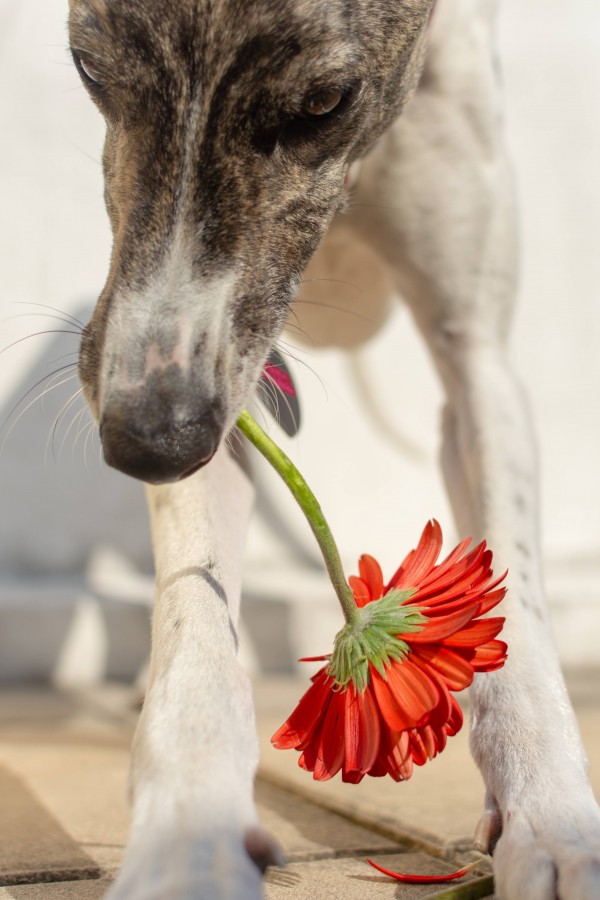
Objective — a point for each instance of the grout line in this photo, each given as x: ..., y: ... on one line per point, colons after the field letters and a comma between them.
x: 388, y: 828
x: 357, y: 853
x: 476, y: 889
x: 50, y: 877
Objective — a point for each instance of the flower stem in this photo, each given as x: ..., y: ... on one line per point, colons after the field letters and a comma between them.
x: 310, y: 507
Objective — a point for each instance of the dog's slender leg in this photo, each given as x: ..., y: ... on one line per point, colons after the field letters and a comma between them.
x: 437, y: 196
x: 195, y: 751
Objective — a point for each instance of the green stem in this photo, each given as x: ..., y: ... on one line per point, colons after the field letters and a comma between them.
x: 310, y: 507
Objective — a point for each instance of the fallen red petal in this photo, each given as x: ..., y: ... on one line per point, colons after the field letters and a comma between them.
x: 423, y: 879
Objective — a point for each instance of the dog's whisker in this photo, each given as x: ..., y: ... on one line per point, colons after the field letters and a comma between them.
x: 57, y: 359
x: 60, y: 415
x: 265, y: 420
x: 56, y: 309
x: 270, y: 400
x: 270, y: 385
x: 300, y: 331
x: 82, y: 428
x: 94, y: 159
x: 335, y: 308
x: 297, y: 326
x: 12, y: 411
x: 234, y: 442
x: 284, y: 345
x: 88, y: 433
x: 74, y: 418
x: 353, y: 205
x: 325, y: 280
x: 37, y: 334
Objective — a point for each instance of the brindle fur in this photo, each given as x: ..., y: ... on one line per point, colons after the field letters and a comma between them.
x: 227, y: 165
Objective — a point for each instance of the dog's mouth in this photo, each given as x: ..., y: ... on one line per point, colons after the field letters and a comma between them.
x: 195, y: 468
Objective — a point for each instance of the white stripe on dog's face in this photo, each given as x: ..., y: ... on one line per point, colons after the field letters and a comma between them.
x: 171, y: 376
x: 179, y: 319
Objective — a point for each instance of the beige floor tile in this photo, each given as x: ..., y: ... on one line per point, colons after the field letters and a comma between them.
x: 354, y: 879
x: 307, y: 832
x: 64, y: 890
x: 34, y: 844
x: 63, y: 770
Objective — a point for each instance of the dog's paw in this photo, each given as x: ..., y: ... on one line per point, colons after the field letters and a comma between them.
x: 262, y: 849
x: 544, y: 851
x: 225, y: 866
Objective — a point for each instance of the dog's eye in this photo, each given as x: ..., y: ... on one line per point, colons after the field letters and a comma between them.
x: 87, y: 69
x: 322, y: 102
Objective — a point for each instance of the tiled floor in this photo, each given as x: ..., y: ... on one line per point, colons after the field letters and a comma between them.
x: 63, y: 817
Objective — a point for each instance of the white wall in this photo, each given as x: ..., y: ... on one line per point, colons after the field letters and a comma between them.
x: 57, y: 515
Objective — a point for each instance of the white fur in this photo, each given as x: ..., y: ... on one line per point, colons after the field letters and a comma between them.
x: 175, y: 296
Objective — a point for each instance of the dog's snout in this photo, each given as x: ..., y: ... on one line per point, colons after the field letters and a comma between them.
x: 157, y: 441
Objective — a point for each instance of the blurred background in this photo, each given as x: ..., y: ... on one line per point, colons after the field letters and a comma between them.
x: 75, y: 562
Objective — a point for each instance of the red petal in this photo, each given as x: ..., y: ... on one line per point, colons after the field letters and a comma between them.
x: 447, y: 609
x: 491, y: 599
x: 370, y: 572
x: 417, y: 751
x: 465, y: 576
x: 477, y: 633
x: 455, y: 597
x: 455, y: 722
x: 395, y: 757
x: 418, y: 563
x: 406, y: 696
x: 307, y: 715
x: 424, y: 745
x: 451, y: 570
x: 453, y: 561
x: 489, y: 657
x: 361, y: 732
x: 423, y: 879
x: 353, y: 777
x: 308, y: 757
x: 360, y: 589
x: 449, y: 665
x: 330, y: 753
x: 442, y: 627
x: 440, y: 714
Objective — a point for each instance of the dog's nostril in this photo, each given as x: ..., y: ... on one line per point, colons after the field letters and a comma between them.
x: 146, y: 439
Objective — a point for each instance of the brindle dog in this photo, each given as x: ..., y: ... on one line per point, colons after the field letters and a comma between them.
x: 231, y: 129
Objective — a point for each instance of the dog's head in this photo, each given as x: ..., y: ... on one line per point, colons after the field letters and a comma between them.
x: 230, y: 127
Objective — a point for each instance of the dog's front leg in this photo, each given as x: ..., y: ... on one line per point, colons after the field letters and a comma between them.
x: 437, y: 195
x: 195, y: 751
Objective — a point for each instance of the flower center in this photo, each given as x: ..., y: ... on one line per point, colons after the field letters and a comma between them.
x: 375, y: 636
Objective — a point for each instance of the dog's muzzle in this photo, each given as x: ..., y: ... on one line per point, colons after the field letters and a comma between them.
x: 159, y: 436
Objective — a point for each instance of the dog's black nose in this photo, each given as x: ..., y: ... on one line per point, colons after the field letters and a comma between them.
x: 153, y: 438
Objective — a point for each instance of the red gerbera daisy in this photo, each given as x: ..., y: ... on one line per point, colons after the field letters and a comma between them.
x: 383, y: 702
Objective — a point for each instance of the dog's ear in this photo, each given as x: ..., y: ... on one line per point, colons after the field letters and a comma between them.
x: 279, y: 395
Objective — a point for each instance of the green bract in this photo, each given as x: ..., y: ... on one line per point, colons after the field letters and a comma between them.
x: 373, y: 637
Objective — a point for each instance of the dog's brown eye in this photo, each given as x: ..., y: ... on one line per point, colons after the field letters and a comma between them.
x: 322, y: 102
x: 87, y: 69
